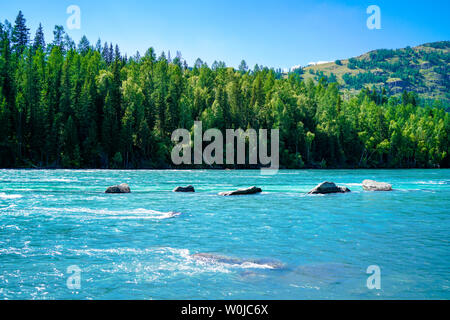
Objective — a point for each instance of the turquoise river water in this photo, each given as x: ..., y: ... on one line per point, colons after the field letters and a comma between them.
x: 280, y: 244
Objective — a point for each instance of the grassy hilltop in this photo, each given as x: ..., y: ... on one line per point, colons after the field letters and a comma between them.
x: 424, y: 69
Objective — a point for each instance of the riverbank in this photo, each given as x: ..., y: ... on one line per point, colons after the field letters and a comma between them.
x: 204, y: 167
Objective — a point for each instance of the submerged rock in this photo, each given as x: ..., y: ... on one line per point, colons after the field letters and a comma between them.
x: 245, y: 263
x: 215, y: 258
x: 371, y: 185
x: 184, y: 189
x: 251, y: 190
x: 320, y: 274
x: 328, y: 187
x: 121, y: 188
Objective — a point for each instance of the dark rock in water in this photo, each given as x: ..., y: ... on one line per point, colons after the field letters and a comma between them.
x: 251, y: 190
x: 184, y: 189
x: 121, y: 188
x: 371, y: 185
x: 328, y: 187
x: 248, y: 263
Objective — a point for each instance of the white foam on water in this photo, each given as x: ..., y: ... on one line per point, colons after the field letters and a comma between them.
x: 168, y: 259
x: 408, y: 190
x: 181, y: 261
x: 12, y: 226
x: 23, y: 252
x: 245, y: 264
x: 9, y: 196
x: 117, y: 251
x: 157, y: 216
x: 181, y: 252
x: 59, y: 180
x: 304, y: 286
x: 8, y: 207
x: 253, y: 265
x: 139, y: 213
x: 432, y: 182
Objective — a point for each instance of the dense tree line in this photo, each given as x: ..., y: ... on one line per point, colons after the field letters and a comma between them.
x: 358, y: 81
x: 63, y: 105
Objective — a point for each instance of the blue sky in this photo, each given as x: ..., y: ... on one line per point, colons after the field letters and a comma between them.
x: 279, y: 33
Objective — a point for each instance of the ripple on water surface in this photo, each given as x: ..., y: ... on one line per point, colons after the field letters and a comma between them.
x: 280, y: 244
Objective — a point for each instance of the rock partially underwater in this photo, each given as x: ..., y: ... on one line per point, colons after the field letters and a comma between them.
x: 314, y: 276
x: 184, y: 189
x: 233, y: 261
x: 328, y: 187
x: 251, y: 190
x: 371, y: 185
x: 121, y: 188
x: 318, y: 275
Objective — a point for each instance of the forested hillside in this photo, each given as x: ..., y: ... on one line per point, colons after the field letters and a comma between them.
x: 424, y: 69
x: 89, y: 106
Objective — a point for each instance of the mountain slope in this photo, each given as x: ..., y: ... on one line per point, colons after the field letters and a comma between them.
x: 424, y: 69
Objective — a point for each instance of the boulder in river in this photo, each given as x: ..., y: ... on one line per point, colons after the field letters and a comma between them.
x: 251, y: 190
x: 184, y: 189
x: 328, y: 187
x: 371, y: 185
x: 121, y: 188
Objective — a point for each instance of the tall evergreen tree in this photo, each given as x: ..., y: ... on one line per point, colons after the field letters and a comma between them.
x: 83, y: 45
x: 111, y: 53
x: 105, y: 53
x: 68, y: 43
x: 58, y: 36
x: 20, y: 34
x: 39, y: 40
x: 117, y: 55
x: 243, y: 66
x: 98, y: 46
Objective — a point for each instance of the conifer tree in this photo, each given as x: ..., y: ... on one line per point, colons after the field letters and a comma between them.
x: 39, y: 40
x: 20, y: 34
x: 84, y: 45
x: 58, y: 36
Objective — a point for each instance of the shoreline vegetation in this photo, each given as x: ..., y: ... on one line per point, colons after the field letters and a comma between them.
x: 190, y: 168
x: 87, y: 106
